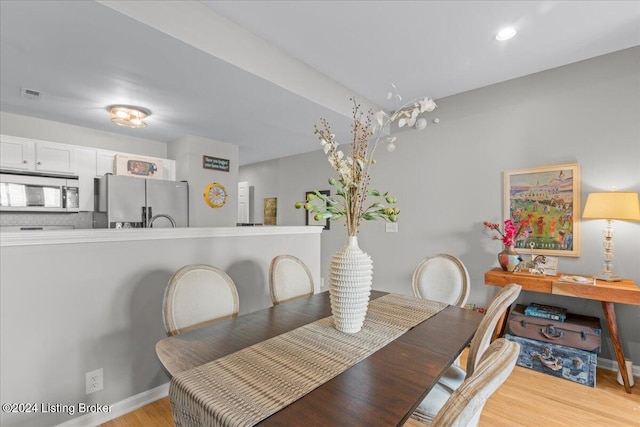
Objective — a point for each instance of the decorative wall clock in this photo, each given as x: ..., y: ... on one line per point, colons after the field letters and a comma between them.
x: 215, y: 195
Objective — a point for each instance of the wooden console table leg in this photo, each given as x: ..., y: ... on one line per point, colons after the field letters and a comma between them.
x: 501, y: 326
x: 610, y: 316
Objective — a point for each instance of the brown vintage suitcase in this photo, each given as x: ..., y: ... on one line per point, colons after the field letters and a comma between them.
x: 577, y: 331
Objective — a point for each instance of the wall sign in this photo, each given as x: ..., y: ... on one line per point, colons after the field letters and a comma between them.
x: 215, y: 163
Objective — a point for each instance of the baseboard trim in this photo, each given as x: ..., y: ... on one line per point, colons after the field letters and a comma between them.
x: 612, y: 365
x: 134, y: 402
x: 120, y: 408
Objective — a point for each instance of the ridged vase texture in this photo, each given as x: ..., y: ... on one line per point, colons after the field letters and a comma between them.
x: 350, y: 275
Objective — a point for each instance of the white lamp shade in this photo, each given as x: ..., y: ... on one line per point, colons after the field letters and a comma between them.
x: 621, y: 205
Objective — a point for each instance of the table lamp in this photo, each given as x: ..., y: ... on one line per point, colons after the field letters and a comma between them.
x: 620, y: 205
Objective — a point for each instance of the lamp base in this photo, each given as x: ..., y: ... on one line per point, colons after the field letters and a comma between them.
x: 608, y: 277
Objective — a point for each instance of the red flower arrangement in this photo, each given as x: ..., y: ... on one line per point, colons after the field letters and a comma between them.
x: 511, y: 231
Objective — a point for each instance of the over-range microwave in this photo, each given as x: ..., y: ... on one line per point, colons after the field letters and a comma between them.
x: 38, y: 193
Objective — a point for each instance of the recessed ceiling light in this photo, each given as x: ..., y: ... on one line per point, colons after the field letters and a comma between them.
x: 505, y: 33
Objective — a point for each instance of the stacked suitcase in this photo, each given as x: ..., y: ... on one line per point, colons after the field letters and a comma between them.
x: 565, y: 348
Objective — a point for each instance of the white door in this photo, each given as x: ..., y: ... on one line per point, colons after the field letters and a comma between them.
x: 243, y: 202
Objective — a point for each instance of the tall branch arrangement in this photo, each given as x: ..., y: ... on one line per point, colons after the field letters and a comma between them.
x: 352, y: 183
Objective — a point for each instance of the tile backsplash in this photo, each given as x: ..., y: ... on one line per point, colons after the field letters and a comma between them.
x: 32, y: 219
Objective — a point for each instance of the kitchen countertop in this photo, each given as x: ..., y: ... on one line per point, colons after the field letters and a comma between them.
x: 56, y: 237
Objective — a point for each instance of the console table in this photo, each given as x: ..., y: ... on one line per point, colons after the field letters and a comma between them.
x: 608, y: 293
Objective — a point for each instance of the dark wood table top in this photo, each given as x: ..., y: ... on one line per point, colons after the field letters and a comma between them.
x: 382, y: 390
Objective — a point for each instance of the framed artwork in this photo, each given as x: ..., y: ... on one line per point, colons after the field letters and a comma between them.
x: 550, y: 196
x: 309, y: 219
x: 270, y: 210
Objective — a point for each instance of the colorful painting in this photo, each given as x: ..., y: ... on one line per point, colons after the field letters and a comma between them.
x: 549, y: 197
x: 270, y: 210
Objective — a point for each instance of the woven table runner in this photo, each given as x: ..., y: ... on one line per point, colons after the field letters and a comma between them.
x: 245, y: 387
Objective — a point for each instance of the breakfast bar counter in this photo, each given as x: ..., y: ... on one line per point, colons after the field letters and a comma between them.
x: 66, y: 236
x: 76, y: 301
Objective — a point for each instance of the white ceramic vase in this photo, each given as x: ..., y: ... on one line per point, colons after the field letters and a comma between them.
x: 350, y: 277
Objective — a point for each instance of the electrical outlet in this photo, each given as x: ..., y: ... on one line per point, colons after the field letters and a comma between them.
x: 391, y: 227
x: 94, y: 381
x: 322, y: 285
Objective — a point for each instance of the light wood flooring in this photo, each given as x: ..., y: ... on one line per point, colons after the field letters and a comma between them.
x: 527, y: 398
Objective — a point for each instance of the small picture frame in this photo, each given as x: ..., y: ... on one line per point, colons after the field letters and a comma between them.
x: 309, y: 219
x: 550, y: 267
x: 550, y: 195
x: 270, y: 210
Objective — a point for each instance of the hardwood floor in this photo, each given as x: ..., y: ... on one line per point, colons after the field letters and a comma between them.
x: 527, y: 398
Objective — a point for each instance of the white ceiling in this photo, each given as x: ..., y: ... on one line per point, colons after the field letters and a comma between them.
x: 202, y: 75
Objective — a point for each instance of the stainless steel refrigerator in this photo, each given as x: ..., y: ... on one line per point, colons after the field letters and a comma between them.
x: 127, y: 202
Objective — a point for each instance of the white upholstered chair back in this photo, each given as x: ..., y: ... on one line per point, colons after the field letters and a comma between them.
x: 455, y: 376
x: 441, y: 278
x: 289, y: 278
x: 483, y: 336
x: 465, y: 405
x: 198, y: 295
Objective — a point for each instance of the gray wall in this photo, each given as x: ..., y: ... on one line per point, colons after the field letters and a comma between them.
x: 74, y: 308
x: 448, y: 178
x: 47, y: 130
x: 188, y: 152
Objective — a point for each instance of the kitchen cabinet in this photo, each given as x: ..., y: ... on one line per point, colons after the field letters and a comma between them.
x: 86, y: 161
x: 16, y: 153
x: 105, y: 161
x: 36, y: 156
x: 46, y: 157
x: 95, y: 163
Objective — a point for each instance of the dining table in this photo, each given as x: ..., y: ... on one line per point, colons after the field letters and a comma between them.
x: 381, y: 384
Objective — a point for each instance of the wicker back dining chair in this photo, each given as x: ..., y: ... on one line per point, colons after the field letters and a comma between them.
x: 443, y: 278
x: 455, y: 375
x: 500, y: 303
x: 465, y: 405
x: 289, y: 278
x: 197, y: 295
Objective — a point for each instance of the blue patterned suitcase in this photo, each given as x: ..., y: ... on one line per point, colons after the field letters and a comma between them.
x: 563, y: 362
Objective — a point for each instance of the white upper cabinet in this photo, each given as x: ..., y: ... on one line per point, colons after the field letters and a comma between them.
x: 45, y: 157
x: 104, y: 161
x: 54, y: 157
x: 17, y: 153
x: 36, y: 156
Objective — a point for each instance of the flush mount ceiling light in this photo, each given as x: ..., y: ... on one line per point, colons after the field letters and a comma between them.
x: 128, y: 115
x: 506, y: 33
